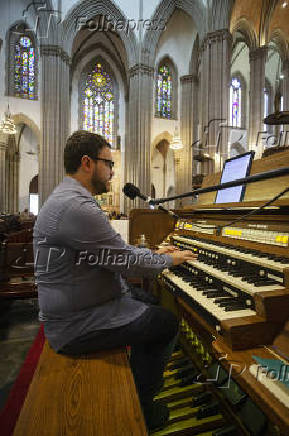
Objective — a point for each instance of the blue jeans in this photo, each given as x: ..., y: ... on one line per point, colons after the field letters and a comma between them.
x: 152, y: 338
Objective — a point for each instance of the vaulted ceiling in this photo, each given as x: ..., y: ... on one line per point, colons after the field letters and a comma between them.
x: 265, y: 17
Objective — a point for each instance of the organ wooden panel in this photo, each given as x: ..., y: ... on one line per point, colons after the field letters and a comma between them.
x: 154, y: 224
x: 263, y: 190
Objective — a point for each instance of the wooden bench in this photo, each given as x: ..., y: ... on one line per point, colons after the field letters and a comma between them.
x: 81, y: 396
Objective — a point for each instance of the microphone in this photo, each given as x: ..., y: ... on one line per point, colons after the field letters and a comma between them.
x: 131, y: 191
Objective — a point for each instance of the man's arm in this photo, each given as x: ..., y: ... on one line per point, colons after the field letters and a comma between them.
x: 86, y: 229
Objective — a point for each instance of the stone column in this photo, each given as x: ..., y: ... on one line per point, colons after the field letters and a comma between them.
x: 215, y: 82
x: 183, y: 180
x: 286, y: 85
x: 12, y: 171
x: 16, y: 162
x: 12, y: 176
x: 55, y: 109
x: 137, y: 148
x: 196, y: 119
x: 257, y: 85
x: 3, y: 147
x: 286, y: 98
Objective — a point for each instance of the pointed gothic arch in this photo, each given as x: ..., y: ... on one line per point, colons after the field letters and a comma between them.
x: 89, y: 9
x: 279, y: 40
x: 20, y: 119
x: 196, y: 10
x: 246, y: 29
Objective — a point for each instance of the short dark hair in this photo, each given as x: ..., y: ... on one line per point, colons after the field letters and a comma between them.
x: 80, y: 143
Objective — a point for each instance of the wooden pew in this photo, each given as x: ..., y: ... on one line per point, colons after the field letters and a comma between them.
x: 19, y: 260
x: 24, y: 235
x: 17, y: 271
x: 90, y: 395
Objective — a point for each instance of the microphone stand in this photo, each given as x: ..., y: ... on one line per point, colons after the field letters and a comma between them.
x: 132, y: 192
x: 250, y: 179
x: 169, y: 212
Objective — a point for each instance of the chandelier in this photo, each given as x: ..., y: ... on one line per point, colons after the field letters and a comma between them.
x: 7, y: 125
x: 176, y: 143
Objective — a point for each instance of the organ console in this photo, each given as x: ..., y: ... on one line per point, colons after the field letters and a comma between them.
x: 233, y: 306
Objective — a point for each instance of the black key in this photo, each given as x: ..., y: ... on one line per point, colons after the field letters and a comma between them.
x: 186, y: 370
x: 201, y: 399
x: 215, y: 294
x: 228, y: 302
x: 190, y: 379
x: 281, y: 260
x: 180, y: 362
x: 209, y: 410
x: 233, y: 308
x: 223, y: 300
x: 251, y: 279
x: 265, y: 283
x: 237, y: 274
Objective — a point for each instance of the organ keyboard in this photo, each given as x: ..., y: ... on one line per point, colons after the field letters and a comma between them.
x: 224, y: 280
x: 238, y: 286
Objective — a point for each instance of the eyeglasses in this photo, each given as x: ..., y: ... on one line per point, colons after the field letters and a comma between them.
x: 109, y: 163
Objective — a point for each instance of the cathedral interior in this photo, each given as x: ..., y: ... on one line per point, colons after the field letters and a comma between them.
x: 177, y: 87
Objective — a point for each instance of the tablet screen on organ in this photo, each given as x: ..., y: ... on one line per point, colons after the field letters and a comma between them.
x: 235, y: 168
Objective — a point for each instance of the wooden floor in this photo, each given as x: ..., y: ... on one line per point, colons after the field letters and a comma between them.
x: 88, y: 396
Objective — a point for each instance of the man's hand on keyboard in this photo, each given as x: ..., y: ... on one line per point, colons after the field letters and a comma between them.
x: 166, y: 249
x: 182, y: 256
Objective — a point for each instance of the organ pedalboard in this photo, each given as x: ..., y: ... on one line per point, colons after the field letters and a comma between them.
x: 202, y: 396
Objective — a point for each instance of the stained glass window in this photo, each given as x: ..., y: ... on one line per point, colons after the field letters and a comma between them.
x: 235, y: 102
x: 98, y: 103
x: 24, y: 74
x: 164, y: 90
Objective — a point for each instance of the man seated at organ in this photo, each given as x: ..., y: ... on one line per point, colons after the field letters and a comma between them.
x: 80, y: 264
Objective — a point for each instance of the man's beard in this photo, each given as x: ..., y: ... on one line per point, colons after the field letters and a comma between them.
x: 98, y: 186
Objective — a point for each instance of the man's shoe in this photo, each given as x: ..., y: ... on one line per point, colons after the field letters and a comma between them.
x: 156, y: 415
